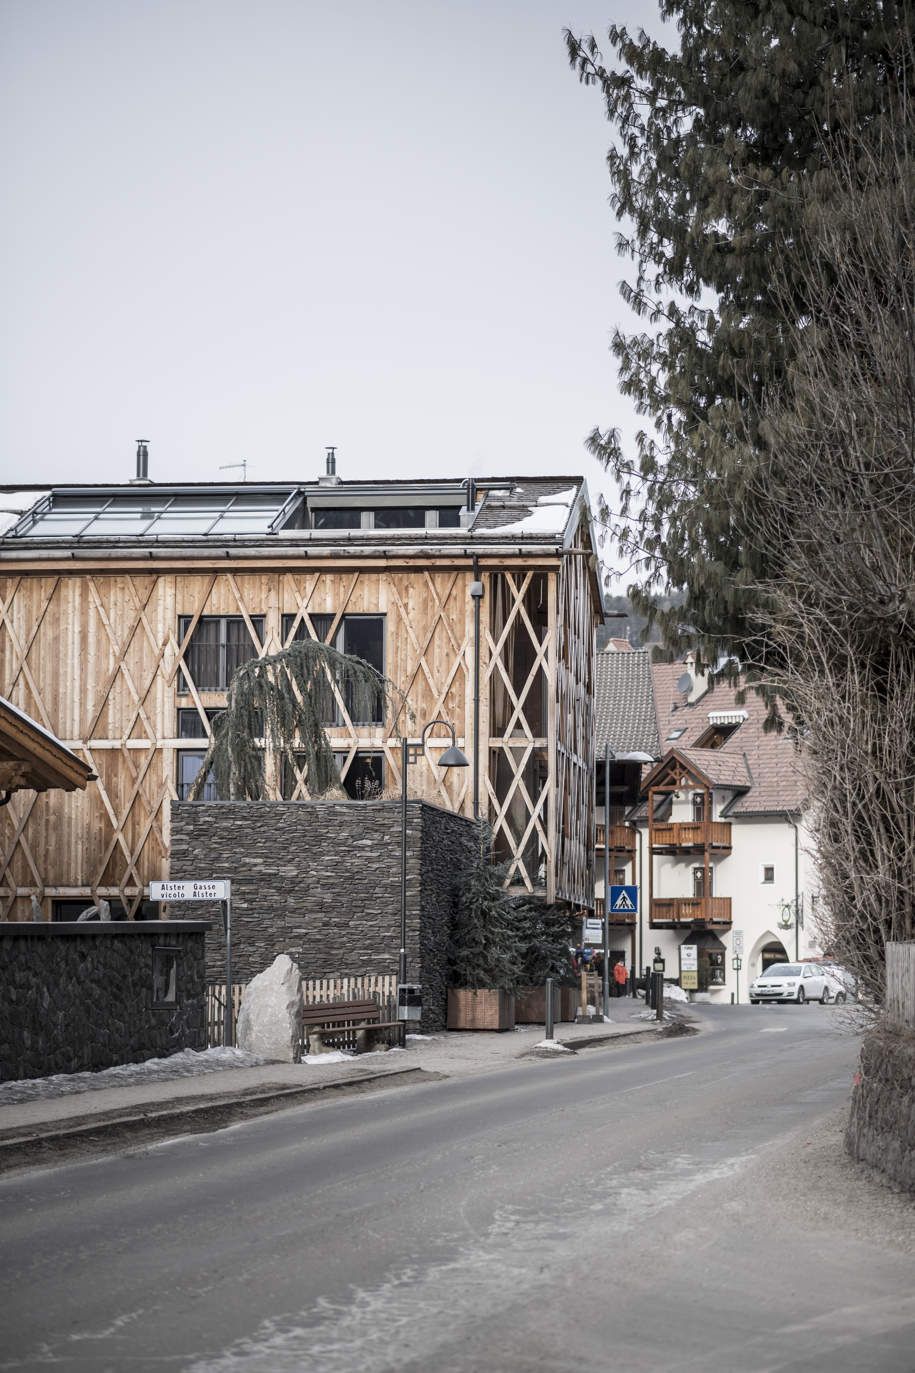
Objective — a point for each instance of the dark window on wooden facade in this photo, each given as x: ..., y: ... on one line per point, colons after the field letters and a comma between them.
x: 190, y: 761
x: 218, y: 645
x: 362, y: 636
x: 190, y: 725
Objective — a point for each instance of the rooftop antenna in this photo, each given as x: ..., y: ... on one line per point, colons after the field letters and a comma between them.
x: 234, y: 466
x: 684, y: 682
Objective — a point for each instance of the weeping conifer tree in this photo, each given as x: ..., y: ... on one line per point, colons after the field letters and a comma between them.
x: 276, y: 710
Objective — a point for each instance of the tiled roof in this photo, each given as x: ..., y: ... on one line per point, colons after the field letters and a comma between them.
x: 721, y: 768
x: 766, y: 763
x: 624, y: 716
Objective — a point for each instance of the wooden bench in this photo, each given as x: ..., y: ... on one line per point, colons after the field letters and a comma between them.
x: 345, y: 1025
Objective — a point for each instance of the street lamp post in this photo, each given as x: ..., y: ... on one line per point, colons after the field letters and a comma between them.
x: 411, y: 753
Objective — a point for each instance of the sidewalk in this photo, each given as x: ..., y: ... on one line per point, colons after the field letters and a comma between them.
x: 106, y: 1114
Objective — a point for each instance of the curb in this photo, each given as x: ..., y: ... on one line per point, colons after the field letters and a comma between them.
x: 93, y: 1133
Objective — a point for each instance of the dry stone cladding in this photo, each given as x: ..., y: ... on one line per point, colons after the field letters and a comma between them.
x: 320, y: 881
x: 881, y: 1122
x: 79, y: 997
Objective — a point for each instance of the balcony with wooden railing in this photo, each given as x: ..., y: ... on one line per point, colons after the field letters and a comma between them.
x: 693, y: 835
x: 669, y: 911
x: 621, y: 837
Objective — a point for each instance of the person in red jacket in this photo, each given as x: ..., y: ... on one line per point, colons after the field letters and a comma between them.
x: 619, y: 977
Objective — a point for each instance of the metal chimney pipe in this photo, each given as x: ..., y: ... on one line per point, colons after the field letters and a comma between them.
x: 332, y: 461
x: 142, y: 460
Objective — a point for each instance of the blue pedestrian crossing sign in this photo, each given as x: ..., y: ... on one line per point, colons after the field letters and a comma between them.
x: 624, y: 901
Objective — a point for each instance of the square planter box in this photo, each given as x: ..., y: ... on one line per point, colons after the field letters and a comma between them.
x: 569, y: 1002
x: 475, y: 1009
x: 530, y: 1005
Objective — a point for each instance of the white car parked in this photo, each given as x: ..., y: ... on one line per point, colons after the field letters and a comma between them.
x: 798, y: 982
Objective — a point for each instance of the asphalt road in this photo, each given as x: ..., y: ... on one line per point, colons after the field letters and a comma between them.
x: 679, y: 1206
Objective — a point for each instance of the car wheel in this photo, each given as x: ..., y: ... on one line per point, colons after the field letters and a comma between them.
x: 840, y: 997
x: 753, y: 1003
x: 824, y: 999
x: 801, y: 998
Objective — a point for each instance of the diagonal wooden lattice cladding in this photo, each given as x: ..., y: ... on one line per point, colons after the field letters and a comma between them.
x: 21, y: 643
x: 575, y: 733
x: 518, y: 669
x: 100, y: 649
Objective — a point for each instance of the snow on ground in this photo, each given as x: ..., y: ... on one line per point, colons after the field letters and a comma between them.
x: 189, y: 1063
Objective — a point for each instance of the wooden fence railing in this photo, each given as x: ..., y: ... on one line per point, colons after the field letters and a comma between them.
x: 900, y: 985
x: 216, y: 1010
x: 316, y: 991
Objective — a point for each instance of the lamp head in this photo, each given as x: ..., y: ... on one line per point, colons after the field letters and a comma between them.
x: 453, y: 758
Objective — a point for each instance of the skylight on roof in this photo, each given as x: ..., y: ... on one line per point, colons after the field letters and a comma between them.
x: 675, y: 734
x: 140, y: 514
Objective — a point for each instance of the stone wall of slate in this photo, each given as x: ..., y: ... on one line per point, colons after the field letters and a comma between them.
x: 79, y: 997
x: 320, y: 881
x: 881, y: 1119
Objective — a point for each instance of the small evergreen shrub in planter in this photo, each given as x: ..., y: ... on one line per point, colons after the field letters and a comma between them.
x: 483, y: 951
x: 501, y: 945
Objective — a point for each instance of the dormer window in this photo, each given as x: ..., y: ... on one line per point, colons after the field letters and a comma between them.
x: 722, y: 724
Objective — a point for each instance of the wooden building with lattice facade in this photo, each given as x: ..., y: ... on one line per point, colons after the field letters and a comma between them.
x: 125, y: 609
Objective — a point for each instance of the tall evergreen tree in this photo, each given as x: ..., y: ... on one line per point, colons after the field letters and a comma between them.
x: 711, y: 142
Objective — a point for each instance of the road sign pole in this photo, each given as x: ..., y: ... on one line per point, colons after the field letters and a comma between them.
x: 607, y: 883
x: 228, y: 1029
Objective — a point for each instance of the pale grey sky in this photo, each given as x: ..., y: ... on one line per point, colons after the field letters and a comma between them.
x: 245, y: 229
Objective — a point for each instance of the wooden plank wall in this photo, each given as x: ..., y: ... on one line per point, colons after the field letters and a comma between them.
x: 94, y: 658
x: 574, y: 695
x: 900, y: 985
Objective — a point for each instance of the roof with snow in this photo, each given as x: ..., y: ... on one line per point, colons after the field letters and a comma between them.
x: 32, y: 759
x: 477, y: 513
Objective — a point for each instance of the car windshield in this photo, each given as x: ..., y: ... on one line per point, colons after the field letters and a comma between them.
x: 783, y: 970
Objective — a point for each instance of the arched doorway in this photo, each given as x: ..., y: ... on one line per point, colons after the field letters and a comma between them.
x: 773, y: 952
x: 767, y: 950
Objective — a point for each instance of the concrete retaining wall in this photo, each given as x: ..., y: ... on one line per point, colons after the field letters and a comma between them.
x: 79, y: 997
x: 881, y: 1124
x: 320, y: 881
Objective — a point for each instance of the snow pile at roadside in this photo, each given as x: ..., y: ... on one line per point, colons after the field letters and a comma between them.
x: 188, y: 1063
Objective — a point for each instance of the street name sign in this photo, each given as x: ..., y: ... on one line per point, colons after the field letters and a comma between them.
x: 624, y: 900
x: 190, y: 891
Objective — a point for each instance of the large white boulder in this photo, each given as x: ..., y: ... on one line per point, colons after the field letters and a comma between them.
x: 270, y: 1019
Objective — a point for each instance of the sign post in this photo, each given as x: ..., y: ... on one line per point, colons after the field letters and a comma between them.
x: 689, y: 967
x: 219, y: 890
x: 737, y: 964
